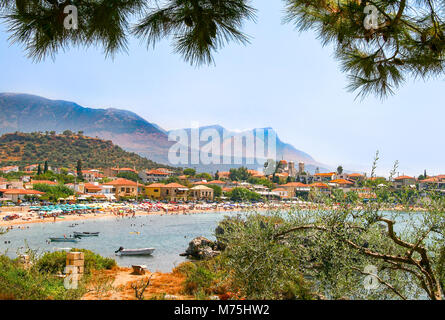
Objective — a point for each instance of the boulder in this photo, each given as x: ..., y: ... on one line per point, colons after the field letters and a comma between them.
x: 201, y: 248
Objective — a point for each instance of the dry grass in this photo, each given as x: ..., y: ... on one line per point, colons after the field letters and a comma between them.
x: 161, y: 284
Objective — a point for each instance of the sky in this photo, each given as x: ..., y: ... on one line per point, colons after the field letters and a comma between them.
x: 283, y: 79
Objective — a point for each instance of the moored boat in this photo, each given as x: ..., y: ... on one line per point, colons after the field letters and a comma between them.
x: 86, y: 234
x: 134, y: 252
x: 62, y: 239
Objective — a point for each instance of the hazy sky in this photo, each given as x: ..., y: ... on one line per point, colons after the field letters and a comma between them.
x: 283, y: 79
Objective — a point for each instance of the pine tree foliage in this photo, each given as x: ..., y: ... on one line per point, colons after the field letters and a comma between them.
x: 408, y: 40
x: 196, y: 27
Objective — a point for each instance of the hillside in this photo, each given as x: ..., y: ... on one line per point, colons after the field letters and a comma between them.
x: 29, y: 113
x: 64, y: 150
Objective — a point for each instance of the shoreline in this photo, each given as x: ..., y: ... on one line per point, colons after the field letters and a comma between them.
x: 97, y: 216
x: 110, y: 214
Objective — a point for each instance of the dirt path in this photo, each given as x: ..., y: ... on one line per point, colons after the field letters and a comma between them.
x: 162, y: 285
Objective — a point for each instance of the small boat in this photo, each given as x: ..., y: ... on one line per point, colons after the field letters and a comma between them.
x: 134, y: 252
x: 86, y: 234
x: 62, y: 239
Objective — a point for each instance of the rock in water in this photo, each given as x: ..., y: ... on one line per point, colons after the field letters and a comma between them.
x: 201, y: 248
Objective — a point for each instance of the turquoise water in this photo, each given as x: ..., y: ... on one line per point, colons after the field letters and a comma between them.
x: 168, y: 234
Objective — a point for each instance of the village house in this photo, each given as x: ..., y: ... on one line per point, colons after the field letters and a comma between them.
x: 324, y: 177
x: 16, y: 195
x: 224, y: 175
x: 156, y: 175
x: 356, y: 177
x: 153, y: 191
x: 31, y: 168
x: 343, y: 184
x: 293, y: 187
x: 113, y: 172
x: 201, y: 193
x: 9, y: 169
x: 320, y: 186
x: 217, y: 183
x: 5, y: 184
x: 281, y: 193
x: 123, y: 188
x: 436, y: 183
x: 404, y: 181
x: 92, y: 175
x: 174, y: 192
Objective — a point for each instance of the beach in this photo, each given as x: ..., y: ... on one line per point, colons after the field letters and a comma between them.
x: 29, y: 217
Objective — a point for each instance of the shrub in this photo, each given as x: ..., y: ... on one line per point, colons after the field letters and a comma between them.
x: 54, y: 262
x: 21, y: 284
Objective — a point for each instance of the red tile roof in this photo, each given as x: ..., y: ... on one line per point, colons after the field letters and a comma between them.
x: 341, y: 181
x: 155, y: 185
x: 92, y: 186
x: 121, y: 182
x: 326, y: 174
x: 319, y: 185
x: 433, y: 179
x: 295, y: 184
x: 21, y: 191
x: 200, y: 182
x: 216, y: 182
x: 43, y: 182
x: 123, y: 169
x: 354, y: 175
x: 174, y: 185
x: 404, y: 177
x: 158, y: 172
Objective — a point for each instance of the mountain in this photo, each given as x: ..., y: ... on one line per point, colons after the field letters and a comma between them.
x: 63, y: 150
x: 29, y: 113
x: 248, y: 156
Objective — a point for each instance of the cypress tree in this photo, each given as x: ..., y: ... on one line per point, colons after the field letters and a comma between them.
x: 79, y: 170
x: 45, y: 168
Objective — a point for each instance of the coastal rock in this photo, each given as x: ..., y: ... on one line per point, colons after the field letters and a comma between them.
x: 201, y: 248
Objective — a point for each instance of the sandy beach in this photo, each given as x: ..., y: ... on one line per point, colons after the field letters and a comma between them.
x: 30, y: 218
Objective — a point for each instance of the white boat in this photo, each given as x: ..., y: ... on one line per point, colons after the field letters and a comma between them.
x: 134, y: 252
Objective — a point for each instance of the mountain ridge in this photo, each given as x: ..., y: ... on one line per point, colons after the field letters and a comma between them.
x: 30, y: 113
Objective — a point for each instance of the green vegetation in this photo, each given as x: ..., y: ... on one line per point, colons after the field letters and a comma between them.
x: 129, y: 176
x: 240, y: 194
x: 39, y: 280
x: 66, y: 150
x: 405, y: 40
x: 217, y: 190
x: 189, y: 172
x: 262, y: 181
x: 244, y: 270
x: 62, y: 178
x: 18, y: 283
x: 204, y: 176
x: 240, y: 174
x: 54, y: 262
x: 53, y: 192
